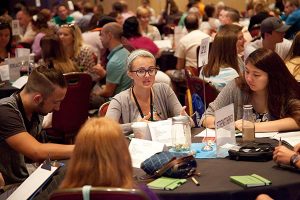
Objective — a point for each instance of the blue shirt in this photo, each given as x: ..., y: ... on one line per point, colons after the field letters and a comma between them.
x: 116, y: 69
x: 293, y: 20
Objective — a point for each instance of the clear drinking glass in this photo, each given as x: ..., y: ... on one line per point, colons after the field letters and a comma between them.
x: 181, y: 133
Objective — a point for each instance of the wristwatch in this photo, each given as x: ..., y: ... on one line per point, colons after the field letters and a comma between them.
x: 294, y: 159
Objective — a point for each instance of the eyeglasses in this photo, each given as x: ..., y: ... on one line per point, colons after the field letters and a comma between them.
x: 142, y: 71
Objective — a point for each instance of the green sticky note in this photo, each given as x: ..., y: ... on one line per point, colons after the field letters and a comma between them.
x: 165, y: 183
x: 253, y: 180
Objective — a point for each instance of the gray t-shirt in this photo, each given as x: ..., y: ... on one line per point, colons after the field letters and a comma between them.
x: 123, y: 109
x: 12, y: 122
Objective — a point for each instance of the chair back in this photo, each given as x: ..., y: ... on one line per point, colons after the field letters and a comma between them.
x: 196, y: 85
x: 101, y: 193
x: 74, y: 108
x: 103, y: 109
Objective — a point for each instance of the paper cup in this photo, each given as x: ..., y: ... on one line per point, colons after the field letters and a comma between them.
x: 141, y: 130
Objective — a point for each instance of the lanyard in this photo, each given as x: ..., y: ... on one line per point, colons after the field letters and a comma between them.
x: 139, y: 107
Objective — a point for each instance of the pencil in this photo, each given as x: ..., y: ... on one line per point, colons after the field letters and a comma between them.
x: 195, y: 181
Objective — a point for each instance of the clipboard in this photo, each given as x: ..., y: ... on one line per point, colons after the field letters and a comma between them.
x: 32, y: 185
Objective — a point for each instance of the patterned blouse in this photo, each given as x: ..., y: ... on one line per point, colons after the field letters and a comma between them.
x: 86, y: 59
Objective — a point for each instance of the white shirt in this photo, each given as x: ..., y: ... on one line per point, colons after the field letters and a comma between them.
x: 187, y: 47
x: 281, y: 49
x: 92, y: 39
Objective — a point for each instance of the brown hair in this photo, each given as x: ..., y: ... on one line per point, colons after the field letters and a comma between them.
x: 53, y: 53
x: 295, y: 52
x: 100, y: 157
x: 43, y: 80
x: 282, y: 89
x: 223, y: 51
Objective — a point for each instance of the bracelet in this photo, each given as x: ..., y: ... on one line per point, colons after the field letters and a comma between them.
x: 294, y: 159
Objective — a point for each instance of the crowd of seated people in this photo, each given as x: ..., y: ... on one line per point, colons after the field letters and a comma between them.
x: 118, y: 48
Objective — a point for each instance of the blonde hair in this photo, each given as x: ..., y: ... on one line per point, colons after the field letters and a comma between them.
x: 77, y: 36
x: 100, y: 157
x: 142, y: 11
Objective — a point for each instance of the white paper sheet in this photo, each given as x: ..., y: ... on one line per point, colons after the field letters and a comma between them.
x: 140, y: 150
x: 20, y: 82
x: 4, y: 72
x: 210, y: 133
x: 32, y: 183
x: 163, y: 44
x: 161, y: 131
x: 292, y: 138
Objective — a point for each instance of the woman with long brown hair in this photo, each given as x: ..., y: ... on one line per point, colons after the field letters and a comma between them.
x: 269, y: 87
x: 54, y: 54
x: 101, y: 158
x: 224, y: 63
x: 293, y: 58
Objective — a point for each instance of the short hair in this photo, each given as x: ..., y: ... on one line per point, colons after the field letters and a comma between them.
x: 131, y: 27
x: 233, y: 14
x: 136, y: 54
x: 142, y: 11
x: 43, y: 80
x: 292, y: 2
x: 118, y: 7
x: 115, y: 29
x: 101, y: 153
x: 191, y: 22
x: 88, y: 7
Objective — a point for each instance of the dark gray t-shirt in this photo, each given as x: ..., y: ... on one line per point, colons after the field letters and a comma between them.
x: 12, y: 122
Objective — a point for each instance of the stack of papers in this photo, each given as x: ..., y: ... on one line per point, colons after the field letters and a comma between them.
x: 253, y: 180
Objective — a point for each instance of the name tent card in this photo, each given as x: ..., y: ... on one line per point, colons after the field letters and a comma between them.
x: 15, y: 25
x: 203, y: 52
x: 140, y: 150
x: 161, y: 131
x: 38, y: 3
x: 225, y: 129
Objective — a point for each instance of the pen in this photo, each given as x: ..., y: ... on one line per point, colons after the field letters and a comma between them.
x: 195, y: 181
x: 279, y: 144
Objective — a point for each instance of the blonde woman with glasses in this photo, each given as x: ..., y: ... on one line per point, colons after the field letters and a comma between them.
x: 145, y: 100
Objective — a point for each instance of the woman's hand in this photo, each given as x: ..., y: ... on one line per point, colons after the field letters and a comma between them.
x: 145, y: 118
x: 282, y: 155
x: 182, y: 112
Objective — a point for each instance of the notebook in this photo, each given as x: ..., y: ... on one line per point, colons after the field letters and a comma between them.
x: 253, y: 180
x: 289, y: 138
x: 165, y: 183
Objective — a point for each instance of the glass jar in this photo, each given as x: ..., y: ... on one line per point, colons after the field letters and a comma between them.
x: 181, y: 133
x: 248, y: 127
